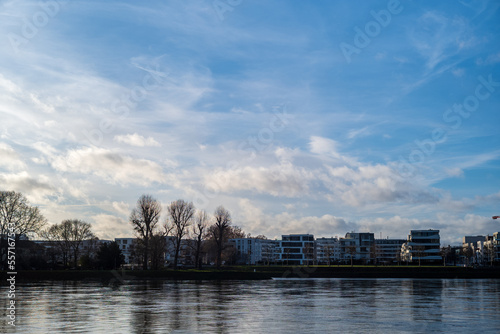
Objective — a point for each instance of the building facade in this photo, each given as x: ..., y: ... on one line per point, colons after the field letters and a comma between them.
x: 422, y: 246
x: 126, y: 245
x: 328, y: 251
x: 255, y: 251
x: 388, y: 250
x: 296, y: 249
x: 358, y: 246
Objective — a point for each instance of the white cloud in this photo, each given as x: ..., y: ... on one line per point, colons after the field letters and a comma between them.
x: 10, y: 159
x: 137, y: 140
x: 321, y: 145
x: 122, y: 208
x: 454, y: 172
x: 9, y: 86
x: 110, y: 166
x: 358, y: 132
x: 358, y: 186
x: 256, y: 221
x: 458, y: 72
x: 278, y: 180
x: 109, y: 227
x: 35, y: 189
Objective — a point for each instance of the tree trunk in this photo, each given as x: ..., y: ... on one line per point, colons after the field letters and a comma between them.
x: 146, y: 250
x: 197, y: 255
x: 75, y: 255
x: 177, y: 249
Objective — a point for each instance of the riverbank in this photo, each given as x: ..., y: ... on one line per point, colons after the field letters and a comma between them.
x: 260, y: 273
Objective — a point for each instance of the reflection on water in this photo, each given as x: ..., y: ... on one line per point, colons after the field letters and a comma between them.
x: 287, y: 306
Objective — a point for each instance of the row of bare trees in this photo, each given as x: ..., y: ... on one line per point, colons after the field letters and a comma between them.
x: 182, y: 220
x: 16, y: 211
x: 67, y: 238
x: 17, y: 218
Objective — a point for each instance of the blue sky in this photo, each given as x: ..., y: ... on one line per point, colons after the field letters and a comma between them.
x: 318, y: 117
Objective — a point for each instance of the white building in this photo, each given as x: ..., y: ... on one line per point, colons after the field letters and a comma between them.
x: 327, y: 250
x: 359, y: 246
x: 388, y: 250
x: 126, y: 246
x: 422, y: 246
x: 253, y: 251
x: 476, y: 245
x: 491, y: 251
x: 296, y: 249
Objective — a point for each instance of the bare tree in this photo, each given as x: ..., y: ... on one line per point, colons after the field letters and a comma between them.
x: 144, y: 219
x: 219, y: 231
x: 444, y: 253
x: 419, y: 252
x: 467, y: 252
x: 157, y: 247
x: 16, y: 215
x: 180, y: 218
x: 58, y: 236
x: 198, y: 231
x: 351, y: 250
x: 79, y: 231
x: 490, y: 252
x: 327, y: 250
x: 90, y: 255
x: 374, y: 253
x: 11, y: 204
x: 68, y: 237
x: 236, y: 232
x: 308, y: 251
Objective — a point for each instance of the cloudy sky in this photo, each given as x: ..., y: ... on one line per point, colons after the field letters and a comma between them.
x: 319, y: 117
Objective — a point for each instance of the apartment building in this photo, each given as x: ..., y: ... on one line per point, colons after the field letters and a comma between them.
x: 328, y: 250
x: 491, y: 249
x: 126, y: 245
x: 422, y: 246
x: 358, y: 246
x: 388, y: 251
x: 296, y: 249
x: 254, y: 251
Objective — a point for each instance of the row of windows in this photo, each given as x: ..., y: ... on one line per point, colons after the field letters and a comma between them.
x: 425, y: 241
x: 298, y: 238
x: 292, y: 256
x: 424, y: 234
x: 297, y: 244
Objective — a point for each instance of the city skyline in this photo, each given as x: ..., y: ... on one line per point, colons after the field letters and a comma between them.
x: 320, y: 118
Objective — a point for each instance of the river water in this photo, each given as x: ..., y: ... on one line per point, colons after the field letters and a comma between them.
x: 284, y: 306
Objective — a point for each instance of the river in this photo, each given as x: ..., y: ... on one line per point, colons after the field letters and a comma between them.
x: 284, y: 306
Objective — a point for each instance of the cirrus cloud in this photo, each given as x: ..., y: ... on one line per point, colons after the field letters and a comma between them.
x: 137, y: 140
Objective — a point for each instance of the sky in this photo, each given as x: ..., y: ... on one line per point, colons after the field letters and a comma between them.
x: 320, y: 117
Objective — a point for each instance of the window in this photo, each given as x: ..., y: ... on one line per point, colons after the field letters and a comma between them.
x: 291, y: 250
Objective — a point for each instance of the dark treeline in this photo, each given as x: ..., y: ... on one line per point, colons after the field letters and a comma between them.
x: 73, y: 243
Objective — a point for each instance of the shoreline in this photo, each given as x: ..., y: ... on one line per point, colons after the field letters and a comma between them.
x: 259, y: 273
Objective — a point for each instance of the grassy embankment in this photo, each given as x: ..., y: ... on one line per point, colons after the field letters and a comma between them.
x: 261, y: 273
